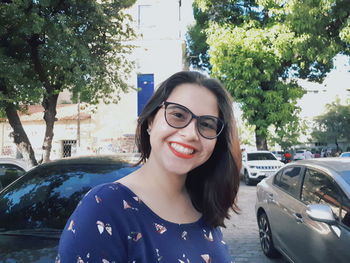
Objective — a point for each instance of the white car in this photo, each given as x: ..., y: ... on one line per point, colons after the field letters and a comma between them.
x: 256, y: 165
x: 278, y: 154
x: 302, y: 155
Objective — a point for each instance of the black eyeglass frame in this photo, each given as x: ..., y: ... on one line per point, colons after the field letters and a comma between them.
x: 194, y: 116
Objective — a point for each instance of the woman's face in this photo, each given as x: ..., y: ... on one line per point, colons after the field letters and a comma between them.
x: 179, y: 151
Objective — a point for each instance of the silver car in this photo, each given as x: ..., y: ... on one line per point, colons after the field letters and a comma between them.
x: 303, y: 211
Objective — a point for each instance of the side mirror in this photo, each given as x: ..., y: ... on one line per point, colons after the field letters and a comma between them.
x: 320, y: 213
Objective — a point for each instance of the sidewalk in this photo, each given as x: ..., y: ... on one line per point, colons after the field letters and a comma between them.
x: 242, y: 234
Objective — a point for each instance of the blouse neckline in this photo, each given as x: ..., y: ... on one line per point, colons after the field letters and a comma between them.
x: 149, y: 210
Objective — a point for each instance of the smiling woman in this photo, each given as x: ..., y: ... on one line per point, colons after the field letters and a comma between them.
x: 171, y: 208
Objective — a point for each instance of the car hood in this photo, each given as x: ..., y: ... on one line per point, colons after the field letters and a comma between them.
x: 265, y: 163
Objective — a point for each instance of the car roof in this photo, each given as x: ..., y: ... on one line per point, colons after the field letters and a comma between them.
x: 331, y: 163
x: 93, y: 159
x: 259, y: 151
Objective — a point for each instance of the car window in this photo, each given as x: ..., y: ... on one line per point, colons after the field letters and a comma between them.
x: 46, y: 196
x: 260, y: 156
x: 9, y: 173
x: 345, y: 211
x: 319, y: 188
x: 288, y: 180
x: 277, y: 178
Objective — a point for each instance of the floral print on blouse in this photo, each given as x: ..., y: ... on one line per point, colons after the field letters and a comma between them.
x: 111, y: 224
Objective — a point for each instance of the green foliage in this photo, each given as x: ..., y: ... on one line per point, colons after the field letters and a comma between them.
x: 334, y: 125
x: 272, y: 42
x: 49, y: 45
x: 225, y: 11
x: 288, y: 135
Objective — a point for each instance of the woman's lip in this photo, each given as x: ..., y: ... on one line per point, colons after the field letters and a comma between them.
x: 179, y: 154
x: 184, y: 145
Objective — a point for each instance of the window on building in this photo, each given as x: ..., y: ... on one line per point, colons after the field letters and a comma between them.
x: 68, y: 147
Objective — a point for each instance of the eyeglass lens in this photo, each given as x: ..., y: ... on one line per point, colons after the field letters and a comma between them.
x: 178, y: 116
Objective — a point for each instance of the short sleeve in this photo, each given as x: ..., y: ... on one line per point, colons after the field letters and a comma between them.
x: 91, y: 233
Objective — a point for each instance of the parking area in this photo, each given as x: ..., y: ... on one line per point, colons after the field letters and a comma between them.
x: 241, y: 233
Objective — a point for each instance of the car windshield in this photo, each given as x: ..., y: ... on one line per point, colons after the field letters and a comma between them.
x: 47, y: 195
x: 345, y: 155
x: 260, y: 156
x: 346, y: 176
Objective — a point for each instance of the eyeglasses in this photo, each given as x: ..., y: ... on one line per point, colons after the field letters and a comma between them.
x: 178, y: 116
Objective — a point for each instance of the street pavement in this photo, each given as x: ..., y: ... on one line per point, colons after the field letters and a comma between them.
x: 242, y: 235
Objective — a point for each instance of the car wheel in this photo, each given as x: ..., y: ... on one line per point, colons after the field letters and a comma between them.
x: 247, y: 180
x: 265, y: 236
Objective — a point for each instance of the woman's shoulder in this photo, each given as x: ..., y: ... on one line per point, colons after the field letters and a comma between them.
x: 109, y: 202
x: 110, y: 193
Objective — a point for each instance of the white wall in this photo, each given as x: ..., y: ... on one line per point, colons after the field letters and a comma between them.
x: 159, y: 51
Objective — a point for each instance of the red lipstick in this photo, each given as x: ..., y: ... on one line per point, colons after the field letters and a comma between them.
x: 180, y: 154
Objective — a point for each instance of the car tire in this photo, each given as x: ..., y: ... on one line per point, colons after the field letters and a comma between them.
x: 265, y: 236
x: 247, y: 180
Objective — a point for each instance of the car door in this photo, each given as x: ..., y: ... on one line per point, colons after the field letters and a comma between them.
x: 324, y: 242
x: 284, y: 208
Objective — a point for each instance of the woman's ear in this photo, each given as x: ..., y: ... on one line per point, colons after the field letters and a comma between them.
x: 150, y: 123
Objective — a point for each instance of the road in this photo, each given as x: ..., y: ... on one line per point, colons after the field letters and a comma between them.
x: 241, y: 234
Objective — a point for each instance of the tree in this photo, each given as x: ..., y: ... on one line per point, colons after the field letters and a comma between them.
x: 288, y: 135
x: 260, y: 58
x: 50, y: 45
x: 334, y: 125
x: 228, y: 11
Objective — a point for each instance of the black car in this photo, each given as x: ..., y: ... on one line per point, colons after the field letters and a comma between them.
x: 35, y: 208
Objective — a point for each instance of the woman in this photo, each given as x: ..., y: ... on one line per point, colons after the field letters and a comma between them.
x: 171, y: 208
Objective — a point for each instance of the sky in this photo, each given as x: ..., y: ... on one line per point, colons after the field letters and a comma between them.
x: 335, y: 85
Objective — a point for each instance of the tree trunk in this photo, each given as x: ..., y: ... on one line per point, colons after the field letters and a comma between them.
x: 50, y: 99
x: 261, y: 141
x: 49, y: 103
x: 19, y: 135
x: 337, y: 145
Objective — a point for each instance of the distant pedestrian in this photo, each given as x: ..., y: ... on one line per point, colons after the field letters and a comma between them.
x: 287, y: 157
x: 170, y: 209
x: 308, y: 155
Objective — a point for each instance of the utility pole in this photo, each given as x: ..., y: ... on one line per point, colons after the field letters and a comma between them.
x: 78, y: 123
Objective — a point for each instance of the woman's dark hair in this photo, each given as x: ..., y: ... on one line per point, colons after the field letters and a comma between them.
x: 213, y: 186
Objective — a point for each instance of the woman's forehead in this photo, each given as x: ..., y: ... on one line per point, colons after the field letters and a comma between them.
x: 199, y: 99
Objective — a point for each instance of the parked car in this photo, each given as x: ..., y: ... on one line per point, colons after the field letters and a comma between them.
x: 35, y: 208
x: 10, y: 170
x: 278, y: 154
x: 302, y: 155
x: 345, y: 154
x: 256, y: 165
x: 303, y: 211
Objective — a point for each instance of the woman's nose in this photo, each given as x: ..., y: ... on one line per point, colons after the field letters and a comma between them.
x: 190, y: 131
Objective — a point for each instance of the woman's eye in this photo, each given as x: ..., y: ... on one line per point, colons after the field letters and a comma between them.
x: 208, y: 125
x: 178, y: 115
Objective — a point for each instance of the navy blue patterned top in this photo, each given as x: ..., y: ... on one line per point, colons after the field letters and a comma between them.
x: 111, y: 224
